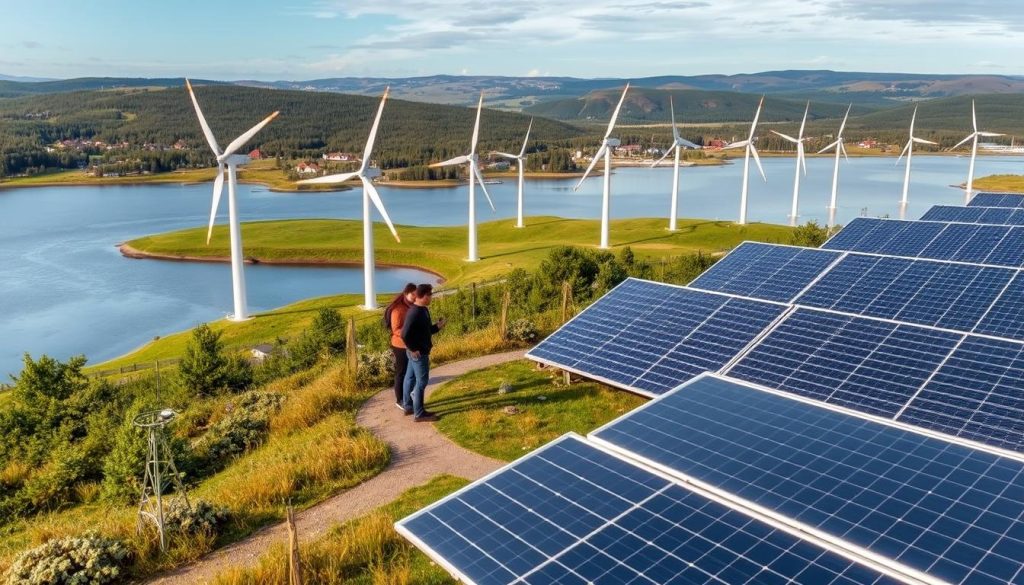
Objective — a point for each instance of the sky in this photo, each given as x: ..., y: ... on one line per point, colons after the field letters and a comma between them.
x: 313, y: 39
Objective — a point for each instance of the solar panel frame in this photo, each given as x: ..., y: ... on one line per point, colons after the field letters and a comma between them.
x: 655, y: 379
x: 952, y: 441
x: 665, y: 485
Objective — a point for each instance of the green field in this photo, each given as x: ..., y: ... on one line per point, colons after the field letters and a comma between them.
x: 1000, y: 183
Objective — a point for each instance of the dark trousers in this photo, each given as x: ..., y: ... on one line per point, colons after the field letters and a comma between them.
x: 401, y: 364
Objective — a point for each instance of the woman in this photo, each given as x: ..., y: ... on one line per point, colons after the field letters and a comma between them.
x: 394, y: 319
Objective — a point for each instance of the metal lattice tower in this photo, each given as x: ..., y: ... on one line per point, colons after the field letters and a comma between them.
x: 161, y: 472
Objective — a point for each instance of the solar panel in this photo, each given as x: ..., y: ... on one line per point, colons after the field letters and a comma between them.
x: 997, y: 200
x: 648, y: 337
x: 984, y: 244
x: 940, y: 294
x: 575, y: 514
x: 988, y: 215
x: 941, y: 508
x: 1006, y: 317
x: 977, y: 394
x: 765, y: 271
x: 864, y: 364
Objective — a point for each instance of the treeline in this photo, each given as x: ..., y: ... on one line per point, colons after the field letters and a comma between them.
x: 310, y: 123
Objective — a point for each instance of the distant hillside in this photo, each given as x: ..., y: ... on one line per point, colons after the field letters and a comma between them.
x: 996, y: 113
x: 9, y: 88
x: 644, y: 105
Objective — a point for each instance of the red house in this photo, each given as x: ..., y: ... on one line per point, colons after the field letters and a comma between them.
x: 256, y: 154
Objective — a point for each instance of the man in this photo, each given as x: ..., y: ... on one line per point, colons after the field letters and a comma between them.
x: 416, y: 334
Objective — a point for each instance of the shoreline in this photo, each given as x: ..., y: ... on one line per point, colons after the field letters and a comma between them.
x: 162, y: 179
x: 134, y: 253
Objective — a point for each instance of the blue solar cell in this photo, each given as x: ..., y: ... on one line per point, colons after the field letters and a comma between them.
x: 866, y: 235
x: 944, y: 509
x: 977, y: 394
x: 997, y: 200
x: 954, y: 213
x: 952, y: 240
x: 864, y: 364
x: 1006, y: 317
x: 979, y: 246
x: 765, y: 271
x: 940, y: 294
x: 1010, y: 249
x: 572, y: 513
x: 650, y: 337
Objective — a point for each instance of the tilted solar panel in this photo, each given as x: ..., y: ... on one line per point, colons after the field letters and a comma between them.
x: 949, y: 511
x: 985, y: 244
x: 997, y: 200
x: 865, y: 364
x: 765, y: 271
x: 648, y: 337
x: 987, y: 215
x: 571, y: 513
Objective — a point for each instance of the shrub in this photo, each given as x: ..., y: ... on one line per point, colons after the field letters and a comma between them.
x: 809, y: 234
x: 200, y: 518
x: 54, y: 484
x: 522, y: 330
x: 87, y: 559
x: 375, y: 369
x: 244, y: 427
x: 204, y: 368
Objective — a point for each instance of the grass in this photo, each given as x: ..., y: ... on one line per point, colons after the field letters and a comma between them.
x: 366, y: 550
x: 314, y: 449
x: 537, y: 409
x: 442, y: 249
x: 1000, y: 183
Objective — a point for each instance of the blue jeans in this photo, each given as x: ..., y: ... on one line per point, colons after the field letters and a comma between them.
x: 416, y: 376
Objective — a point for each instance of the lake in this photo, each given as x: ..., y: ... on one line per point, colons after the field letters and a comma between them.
x: 67, y: 290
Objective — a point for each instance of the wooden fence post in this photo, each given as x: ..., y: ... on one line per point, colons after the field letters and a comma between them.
x: 566, y: 300
x: 351, y: 351
x: 294, y: 562
x: 474, y: 305
x: 503, y: 322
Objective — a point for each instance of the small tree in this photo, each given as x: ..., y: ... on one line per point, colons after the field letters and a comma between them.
x: 204, y: 368
x: 809, y: 234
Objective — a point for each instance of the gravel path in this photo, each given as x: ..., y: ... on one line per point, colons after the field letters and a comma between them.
x: 418, y: 453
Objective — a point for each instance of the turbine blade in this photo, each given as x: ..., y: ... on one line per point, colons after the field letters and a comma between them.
x: 480, y: 180
x: 829, y: 147
x: 664, y: 156
x: 966, y: 140
x: 526, y: 140
x: 374, y: 196
x: 202, y: 121
x: 330, y: 179
x: 504, y: 155
x: 757, y: 159
x: 974, y: 116
x: 905, y: 150
x: 757, y: 116
x: 218, y: 188
x: 913, y: 119
x: 845, y: 118
x: 476, y: 125
x: 802, y: 154
x: 842, y: 147
x: 922, y: 141
x: 807, y: 110
x: 593, y: 163
x: 786, y: 136
x: 615, y: 114
x: 990, y: 134
x: 373, y: 131
x: 687, y: 143
x: 739, y: 144
x: 675, y: 129
x: 459, y: 160
x: 241, y: 140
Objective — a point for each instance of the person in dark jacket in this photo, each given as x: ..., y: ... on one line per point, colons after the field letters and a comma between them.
x: 416, y: 333
x: 394, y: 319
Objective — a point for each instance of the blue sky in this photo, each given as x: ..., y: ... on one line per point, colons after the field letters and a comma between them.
x: 295, y: 39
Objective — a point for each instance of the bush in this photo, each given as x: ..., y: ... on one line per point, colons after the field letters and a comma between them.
x: 375, y: 369
x: 809, y: 234
x: 522, y: 330
x: 245, y: 426
x: 206, y: 370
x: 201, y: 518
x: 87, y: 559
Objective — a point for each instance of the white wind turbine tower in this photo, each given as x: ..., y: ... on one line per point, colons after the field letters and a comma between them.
x: 748, y: 144
x: 840, y: 148
x: 801, y: 162
x: 473, y: 162
x: 678, y: 143
x: 607, y: 144
x: 908, y: 150
x: 973, y: 136
x: 520, y: 166
x: 370, y: 195
x: 229, y: 161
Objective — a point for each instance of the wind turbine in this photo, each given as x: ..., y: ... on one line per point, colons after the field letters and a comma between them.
x: 366, y: 173
x: 908, y: 150
x: 748, y: 144
x: 473, y: 162
x: 801, y: 161
x: 973, y: 136
x: 228, y: 160
x: 607, y: 144
x: 840, y: 149
x: 678, y: 143
x: 520, y: 164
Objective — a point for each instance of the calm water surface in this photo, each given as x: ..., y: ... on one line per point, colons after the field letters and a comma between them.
x: 67, y: 290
